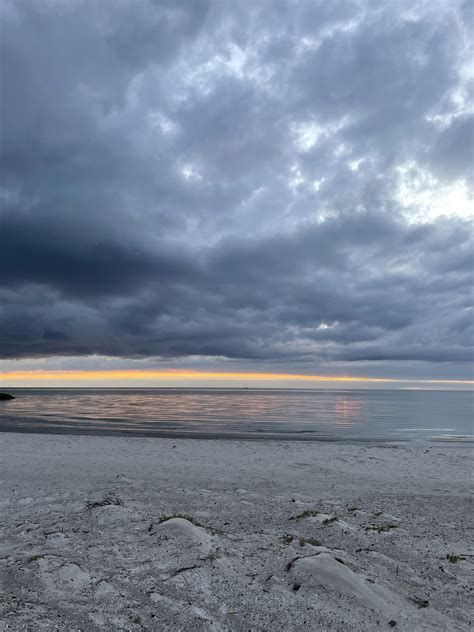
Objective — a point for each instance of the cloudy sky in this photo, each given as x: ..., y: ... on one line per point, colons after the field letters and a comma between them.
x: 237, y: 186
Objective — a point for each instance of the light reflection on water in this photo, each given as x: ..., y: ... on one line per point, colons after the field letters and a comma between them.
x: 307, y: 413
x: 348, y: 410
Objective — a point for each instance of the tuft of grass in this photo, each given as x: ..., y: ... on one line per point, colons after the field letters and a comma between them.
x: 330, y: 520
x: 34, y: 558
x: 382, y: 528
x: 454, y: 559
x: 178, y: 515
x: 111, y: 499
x: 311, y: 541
x: 309, y: 513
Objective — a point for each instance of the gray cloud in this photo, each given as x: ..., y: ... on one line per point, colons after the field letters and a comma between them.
x: 284, y: 183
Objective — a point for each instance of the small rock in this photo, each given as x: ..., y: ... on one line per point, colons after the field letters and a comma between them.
x: 392, y: 623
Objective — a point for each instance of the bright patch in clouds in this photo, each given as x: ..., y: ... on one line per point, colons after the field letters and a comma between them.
x: 190, y: 172
x: 424, y: 198
x: 307, y: 134
x: 326, y: 326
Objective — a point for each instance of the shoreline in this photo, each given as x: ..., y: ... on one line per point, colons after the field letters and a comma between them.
x: 200, y: 435
x: 309, y: 436
x: 282, y: 535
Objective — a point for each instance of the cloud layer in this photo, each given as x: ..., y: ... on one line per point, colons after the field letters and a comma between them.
x: 285, y: 183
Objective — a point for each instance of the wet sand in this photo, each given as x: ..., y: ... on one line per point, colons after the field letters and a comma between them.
x: 124, y: 533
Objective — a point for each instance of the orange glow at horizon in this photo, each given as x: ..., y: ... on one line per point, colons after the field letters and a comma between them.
x: 199, y: 375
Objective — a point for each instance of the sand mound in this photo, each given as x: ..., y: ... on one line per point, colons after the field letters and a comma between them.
x: 323, y: 570
x: 332, y: 579
x: 186, y: 531
x: 324, y: 573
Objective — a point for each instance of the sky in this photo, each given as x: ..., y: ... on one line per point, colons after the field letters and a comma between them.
x: 270, y: 187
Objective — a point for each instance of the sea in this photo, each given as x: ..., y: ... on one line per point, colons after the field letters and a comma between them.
x: 304, y: 414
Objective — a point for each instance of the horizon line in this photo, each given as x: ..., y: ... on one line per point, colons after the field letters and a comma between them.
x: 179, y: 374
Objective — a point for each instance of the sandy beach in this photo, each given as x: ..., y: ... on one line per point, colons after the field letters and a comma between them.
x: 108, y: 533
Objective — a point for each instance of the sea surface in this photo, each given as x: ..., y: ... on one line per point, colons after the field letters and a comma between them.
x: 257, y: 413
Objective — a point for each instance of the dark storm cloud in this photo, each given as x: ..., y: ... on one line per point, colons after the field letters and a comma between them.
x: 222, y: 180
x: 81, y: 265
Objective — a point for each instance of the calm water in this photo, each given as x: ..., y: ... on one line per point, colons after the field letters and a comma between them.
x: 311, y: 414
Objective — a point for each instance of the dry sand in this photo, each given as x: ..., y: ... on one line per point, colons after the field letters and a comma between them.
x: 275, y: 535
